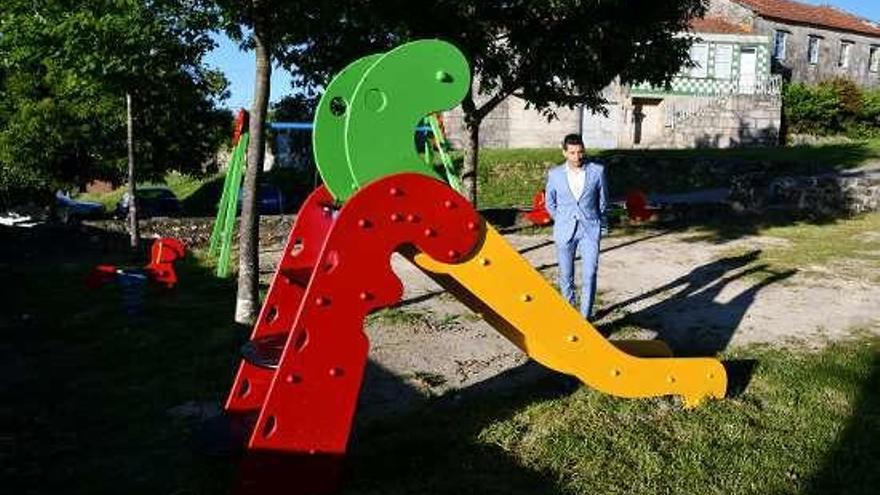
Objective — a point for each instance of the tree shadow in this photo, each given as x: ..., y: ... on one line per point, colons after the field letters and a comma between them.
x: 691, y: 320
x: 853, y: 464
x: 90, y: 389
x: 436, y: 450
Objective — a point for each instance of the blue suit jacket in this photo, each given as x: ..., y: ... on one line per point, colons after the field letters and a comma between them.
x: 566, y: 210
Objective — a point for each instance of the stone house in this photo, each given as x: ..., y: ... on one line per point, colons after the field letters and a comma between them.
x: 743, y: 51
x: 810, y: 43
x: 728, y: 98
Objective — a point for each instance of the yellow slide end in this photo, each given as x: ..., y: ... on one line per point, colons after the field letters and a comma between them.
x: 517, y: 300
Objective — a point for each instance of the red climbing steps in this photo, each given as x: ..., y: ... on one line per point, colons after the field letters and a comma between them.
x: 308, y: 349
x: 282, y: 302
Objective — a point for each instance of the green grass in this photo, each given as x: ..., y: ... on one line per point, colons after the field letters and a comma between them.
x: 511, y: 177
x: 849, y: 246
x: 397, y: 316
x: 807, y: 423
x: 184, y: 187
x: 86, y: 409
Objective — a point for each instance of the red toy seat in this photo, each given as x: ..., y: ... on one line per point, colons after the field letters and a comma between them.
x: 164, y: 252
x: 538, y: 214
x: 637, y: 206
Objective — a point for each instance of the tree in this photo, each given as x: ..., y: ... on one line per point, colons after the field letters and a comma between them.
x: 257, y: 24
x: 549, y: 53
x: 65, y: 69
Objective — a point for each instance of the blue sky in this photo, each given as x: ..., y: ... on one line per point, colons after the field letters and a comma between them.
x: 239, y: 66
x: 239, y: 69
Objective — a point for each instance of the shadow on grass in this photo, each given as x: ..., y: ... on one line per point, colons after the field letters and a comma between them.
x: 853, y: 464
x: 438, y: 451
x: 98, y: 402
x: 725, y: 225
x: 90, y: 390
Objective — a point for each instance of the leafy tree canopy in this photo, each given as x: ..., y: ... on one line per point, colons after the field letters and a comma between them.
x: 550, y: 53
x: 65, y: 67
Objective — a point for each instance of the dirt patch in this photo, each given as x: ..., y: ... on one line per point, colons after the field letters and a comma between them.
x: 693, y: 294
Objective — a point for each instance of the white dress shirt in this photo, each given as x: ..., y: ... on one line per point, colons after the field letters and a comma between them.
x: 576, y: 178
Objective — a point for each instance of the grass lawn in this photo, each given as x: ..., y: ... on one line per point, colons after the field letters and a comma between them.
x: 87, y: 395
x: 846, y: 246
x: 806, y: 424
x: 511, y: 177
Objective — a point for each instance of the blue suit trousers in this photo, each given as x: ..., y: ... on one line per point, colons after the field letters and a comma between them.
x: 584, y: 241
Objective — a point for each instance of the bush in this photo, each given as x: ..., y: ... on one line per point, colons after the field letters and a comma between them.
x: 836, y: 106
x: 810, y: 109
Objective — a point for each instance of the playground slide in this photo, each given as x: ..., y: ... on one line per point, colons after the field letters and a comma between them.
x: 517, y: 300
x: 299, y: 379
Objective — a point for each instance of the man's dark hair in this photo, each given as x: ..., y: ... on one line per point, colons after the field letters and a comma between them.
x: 572, y: 139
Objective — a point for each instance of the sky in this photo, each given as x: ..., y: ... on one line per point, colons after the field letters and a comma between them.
x: 239, y: 66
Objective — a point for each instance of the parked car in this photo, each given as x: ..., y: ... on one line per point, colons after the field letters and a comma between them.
x: 271, y: 200
x: 152, y: 201
x: 69, y: 210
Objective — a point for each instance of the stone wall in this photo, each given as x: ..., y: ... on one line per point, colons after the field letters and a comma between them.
x: 821, y: 195
x: 728, y: 122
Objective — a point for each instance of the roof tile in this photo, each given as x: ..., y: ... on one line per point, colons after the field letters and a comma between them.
x: 825, y: 16
x: 717, y: 25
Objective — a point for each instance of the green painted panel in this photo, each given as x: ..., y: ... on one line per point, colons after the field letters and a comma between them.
x: 328, y: 135
x: 394, y: 94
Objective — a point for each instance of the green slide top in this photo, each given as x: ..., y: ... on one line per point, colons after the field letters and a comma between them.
x: 393, y: 92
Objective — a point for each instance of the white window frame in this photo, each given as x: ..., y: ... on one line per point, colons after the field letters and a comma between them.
x: 874, y: 59
x: 723, y: 70
x: 780, y: 44
x: 844, y: 54
x: 701, y: 67
x: 814, y: 47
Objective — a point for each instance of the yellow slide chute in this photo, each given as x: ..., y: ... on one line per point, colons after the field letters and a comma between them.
x: 512, y: 296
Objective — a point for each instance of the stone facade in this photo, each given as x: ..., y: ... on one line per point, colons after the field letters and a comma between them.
x: 733, y: 78
x: 796, y: 64
x: 512, y: 125
x: 730, y: 122
x: 797, y: 67
x: 710, y: 110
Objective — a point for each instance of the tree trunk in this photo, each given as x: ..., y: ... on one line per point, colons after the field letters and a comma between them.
x: 471, y: 160
x: 472, y: 121
x: 133, y: 230
x: 248, y: 299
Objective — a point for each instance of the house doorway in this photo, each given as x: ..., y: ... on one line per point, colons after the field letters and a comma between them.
x: 647, y: 120
x: 748, y: 61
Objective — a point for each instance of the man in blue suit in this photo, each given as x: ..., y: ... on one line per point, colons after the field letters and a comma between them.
x: 576, y: 197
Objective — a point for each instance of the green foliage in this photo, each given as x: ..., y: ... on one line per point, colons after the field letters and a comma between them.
x: 66, y: 67
x: 549, y: 53
x: 836, y: 106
